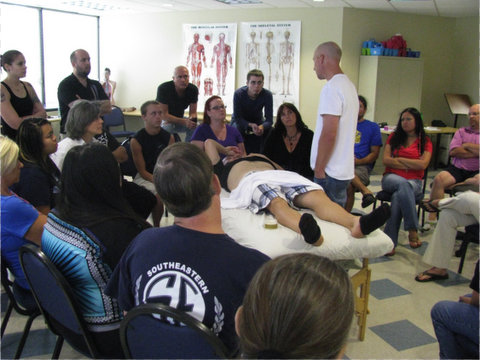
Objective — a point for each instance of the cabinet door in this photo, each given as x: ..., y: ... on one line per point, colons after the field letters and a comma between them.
x: 390, y: 85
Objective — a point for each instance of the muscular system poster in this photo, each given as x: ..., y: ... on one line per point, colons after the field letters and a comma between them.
x: 274, y: 48
x: 209, y: 54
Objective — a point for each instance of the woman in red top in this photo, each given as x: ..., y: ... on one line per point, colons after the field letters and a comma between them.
x: 407, y: 154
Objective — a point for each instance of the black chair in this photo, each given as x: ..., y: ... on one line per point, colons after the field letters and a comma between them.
x: 157, y: 331
x: 116, y: 118
x: 7, y: 285
x: 469, y: 236
x: 56, y: 301
x: 385, y: 196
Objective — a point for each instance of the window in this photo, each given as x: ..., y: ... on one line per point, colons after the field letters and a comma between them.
x: 63, y: 32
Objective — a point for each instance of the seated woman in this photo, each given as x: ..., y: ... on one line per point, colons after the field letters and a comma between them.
x: 39, y: 176
x: 19, y: 100
x: 91, y: 204
x: 406, y: 156
x: 290, y: 141
x: 21, y: 222
x: 287, y: 310
x: 214, y: 127
x: 83, y: 123
x: 256, y: 181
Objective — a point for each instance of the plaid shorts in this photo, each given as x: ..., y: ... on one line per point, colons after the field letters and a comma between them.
x: 264, y: 194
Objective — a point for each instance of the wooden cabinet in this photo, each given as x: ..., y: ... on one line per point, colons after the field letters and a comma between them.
x: 390, y: 84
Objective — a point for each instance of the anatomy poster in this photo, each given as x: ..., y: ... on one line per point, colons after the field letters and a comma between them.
x: 209, y: 54
x: 274, y: 48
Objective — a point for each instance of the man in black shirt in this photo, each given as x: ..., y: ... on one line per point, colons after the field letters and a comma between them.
x: 79, y: 86
x: 174, y: 97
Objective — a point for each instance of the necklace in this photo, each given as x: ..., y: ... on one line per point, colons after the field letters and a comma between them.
x: 292, y: 138
x: 291, y: 141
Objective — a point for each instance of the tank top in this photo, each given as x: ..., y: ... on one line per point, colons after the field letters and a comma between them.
x: 23, y: 107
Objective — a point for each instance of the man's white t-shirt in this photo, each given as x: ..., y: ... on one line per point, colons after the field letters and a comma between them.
x: 339, y: 98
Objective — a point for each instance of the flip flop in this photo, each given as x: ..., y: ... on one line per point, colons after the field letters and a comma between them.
x: 368, y: 199
x: 432, y: 277
x: 429, y: 207
x: 415, y: 242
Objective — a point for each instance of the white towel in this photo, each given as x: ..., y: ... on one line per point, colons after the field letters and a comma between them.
x: 241, y: 196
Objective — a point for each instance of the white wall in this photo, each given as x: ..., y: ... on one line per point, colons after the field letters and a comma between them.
x: 142, y: 50
x: 143, y: 54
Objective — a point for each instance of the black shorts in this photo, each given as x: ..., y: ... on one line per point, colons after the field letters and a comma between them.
x: 461, y: 175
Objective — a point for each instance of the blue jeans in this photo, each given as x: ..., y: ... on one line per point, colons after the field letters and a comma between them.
x: 176, y: 128
x: 335, y: 189
x: 456, y: 328
x: 405, y: 193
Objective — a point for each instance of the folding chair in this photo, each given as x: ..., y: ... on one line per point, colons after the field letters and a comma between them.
x: 7, y: 285
x: 116, y: 118
x: 56, y: 301
x: 157, y: 331
x: 385, y: 196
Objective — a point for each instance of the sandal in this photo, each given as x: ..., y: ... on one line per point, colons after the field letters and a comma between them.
x: 428, y: 206
x: 431, y: 277
x: 367, y: 199
x: 415, y: 243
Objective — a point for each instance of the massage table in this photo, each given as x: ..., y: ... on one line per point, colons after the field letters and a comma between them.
x: 248, y: 229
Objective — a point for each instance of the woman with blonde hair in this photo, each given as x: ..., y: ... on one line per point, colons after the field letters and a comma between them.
x: 297, y: 306
x: 21, y: 222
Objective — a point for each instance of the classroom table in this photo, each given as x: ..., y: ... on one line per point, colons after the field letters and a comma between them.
x: 429, y: 130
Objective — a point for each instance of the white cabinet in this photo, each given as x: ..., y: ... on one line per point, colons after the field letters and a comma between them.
x: 390, y: 84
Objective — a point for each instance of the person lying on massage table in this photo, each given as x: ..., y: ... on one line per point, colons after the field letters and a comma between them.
x: 255, y: 182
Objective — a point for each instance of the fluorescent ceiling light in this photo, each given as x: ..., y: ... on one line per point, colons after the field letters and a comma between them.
x: 240, y: 2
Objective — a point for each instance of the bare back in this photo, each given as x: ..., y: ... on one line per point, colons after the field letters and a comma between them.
x: 242, y: 168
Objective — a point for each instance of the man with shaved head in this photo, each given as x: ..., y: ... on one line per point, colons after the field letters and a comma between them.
x: 464, y: 151
x: 79, y: 86
x: 174, y: 97
x: 332, y: 154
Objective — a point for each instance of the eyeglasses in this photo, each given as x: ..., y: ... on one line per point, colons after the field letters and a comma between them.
x: 219, y: 107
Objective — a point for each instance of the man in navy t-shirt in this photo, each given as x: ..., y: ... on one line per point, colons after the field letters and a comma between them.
x: 368, y: 141
x: 192, y: 265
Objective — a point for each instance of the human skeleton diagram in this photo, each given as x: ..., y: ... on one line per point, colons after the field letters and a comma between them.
x: 196, y: 54
x: 270, y: 50
x: 222, y: 52
x: 253, y: 53
x: 286, y: 62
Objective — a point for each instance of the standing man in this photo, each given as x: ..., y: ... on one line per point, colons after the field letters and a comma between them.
x: 79, y: 86
x: 253, y: 111
x: 174, y: 97
x: 192, y: 265
x: 332, y: 158
x: 368, y: 141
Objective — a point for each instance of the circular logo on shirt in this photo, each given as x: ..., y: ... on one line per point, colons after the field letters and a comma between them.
x: 175, y: 289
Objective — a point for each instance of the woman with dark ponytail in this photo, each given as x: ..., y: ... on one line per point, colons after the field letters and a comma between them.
x: 406, y: 156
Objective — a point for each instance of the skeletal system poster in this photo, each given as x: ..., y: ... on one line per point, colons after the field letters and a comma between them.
x: 274, y: 48
x: 209, y: 54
